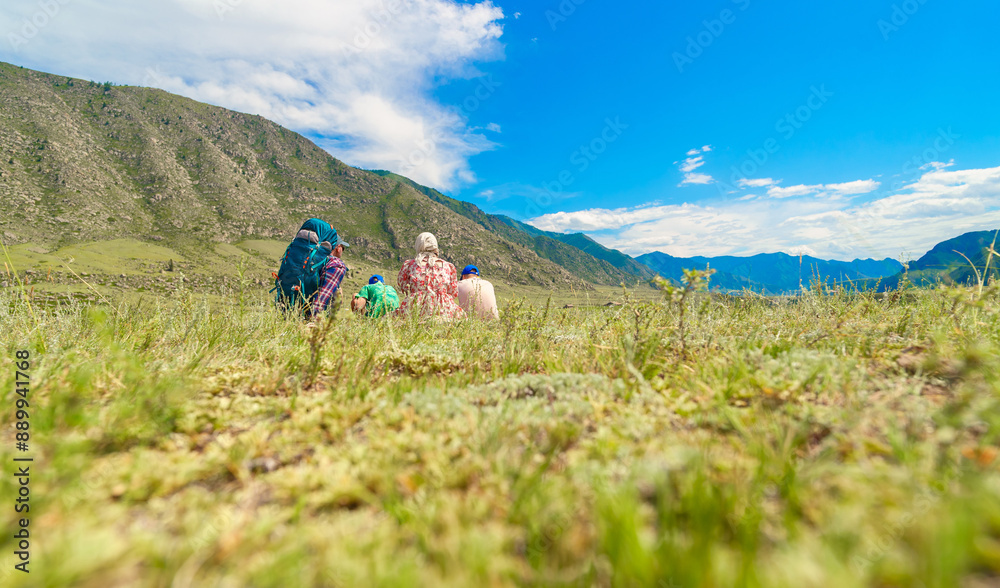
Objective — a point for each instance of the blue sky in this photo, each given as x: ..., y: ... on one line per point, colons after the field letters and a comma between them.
x: 848, y: 129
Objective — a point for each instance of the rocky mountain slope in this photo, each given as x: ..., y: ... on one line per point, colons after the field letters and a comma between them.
x: 578, y: 253
x: 81, y: 162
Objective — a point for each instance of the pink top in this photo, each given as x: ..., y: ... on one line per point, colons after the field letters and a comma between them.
x: 432, y: 289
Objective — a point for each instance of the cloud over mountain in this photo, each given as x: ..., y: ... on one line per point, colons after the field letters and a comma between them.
x: 355, y: 75
x: 822, y: 219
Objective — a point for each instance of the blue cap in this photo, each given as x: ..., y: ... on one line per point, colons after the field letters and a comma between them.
x: 470, y: 269
x: 376, y: 278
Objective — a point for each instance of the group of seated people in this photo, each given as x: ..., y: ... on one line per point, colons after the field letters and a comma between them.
x: 430, y: 287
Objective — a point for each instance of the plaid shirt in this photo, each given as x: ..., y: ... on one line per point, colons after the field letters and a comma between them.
x: 334, y: 273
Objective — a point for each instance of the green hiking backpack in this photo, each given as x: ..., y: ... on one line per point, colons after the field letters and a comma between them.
x: 302, y: 266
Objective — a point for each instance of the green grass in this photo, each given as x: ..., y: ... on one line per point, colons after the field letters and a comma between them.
x: 110, y: 257
x: 825, y: 440
x: 270, y: 249
x: 97, y: 269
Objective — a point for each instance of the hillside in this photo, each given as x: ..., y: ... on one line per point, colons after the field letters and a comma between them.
x: 578, y: 253
x: 947, y: 261
x: 771, y: 273
x: 584, y: 243
x: 86, y: 162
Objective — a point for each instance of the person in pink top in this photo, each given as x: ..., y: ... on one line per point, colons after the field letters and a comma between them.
x: 428, y: 283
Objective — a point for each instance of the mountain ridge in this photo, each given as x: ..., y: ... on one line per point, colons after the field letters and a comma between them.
x: 771, y: 273
x: 948, y: 262
x: 82, y: 161
x: 582, y: 254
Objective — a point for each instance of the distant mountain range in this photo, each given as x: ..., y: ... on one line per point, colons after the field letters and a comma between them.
x: 779, y: 273
x: 771, y: 273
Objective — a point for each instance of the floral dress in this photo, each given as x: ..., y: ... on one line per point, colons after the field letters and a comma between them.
x: 429, y: 290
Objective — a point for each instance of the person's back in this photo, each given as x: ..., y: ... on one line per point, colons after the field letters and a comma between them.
x: 311, y: 270
x: 379, y: 298
x: 429, y: 283
x: 476, y: 296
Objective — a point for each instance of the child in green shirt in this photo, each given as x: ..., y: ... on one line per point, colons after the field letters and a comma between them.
x: 376, y: 299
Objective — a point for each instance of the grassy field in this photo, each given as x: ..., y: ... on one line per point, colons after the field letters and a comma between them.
x: 103, y: 270
x: 833, y: 439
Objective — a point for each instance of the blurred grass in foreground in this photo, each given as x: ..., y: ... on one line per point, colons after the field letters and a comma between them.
x: 834, y: 439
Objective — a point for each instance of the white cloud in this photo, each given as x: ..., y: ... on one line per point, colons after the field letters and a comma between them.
x: 352, y: 71
x: 940, y: 205
x: 494, y: 127
x: 937, y: 165
x: 694, y: 161
x: 800, y: 190
x: 599, y: 219
x: 802, y: 250
x: 827, y: 190
x: 853, y: 188
x: 758, y: 183
x: 697, y: 179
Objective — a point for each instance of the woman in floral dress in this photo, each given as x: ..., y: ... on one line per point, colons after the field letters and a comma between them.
x: 429, y: 283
